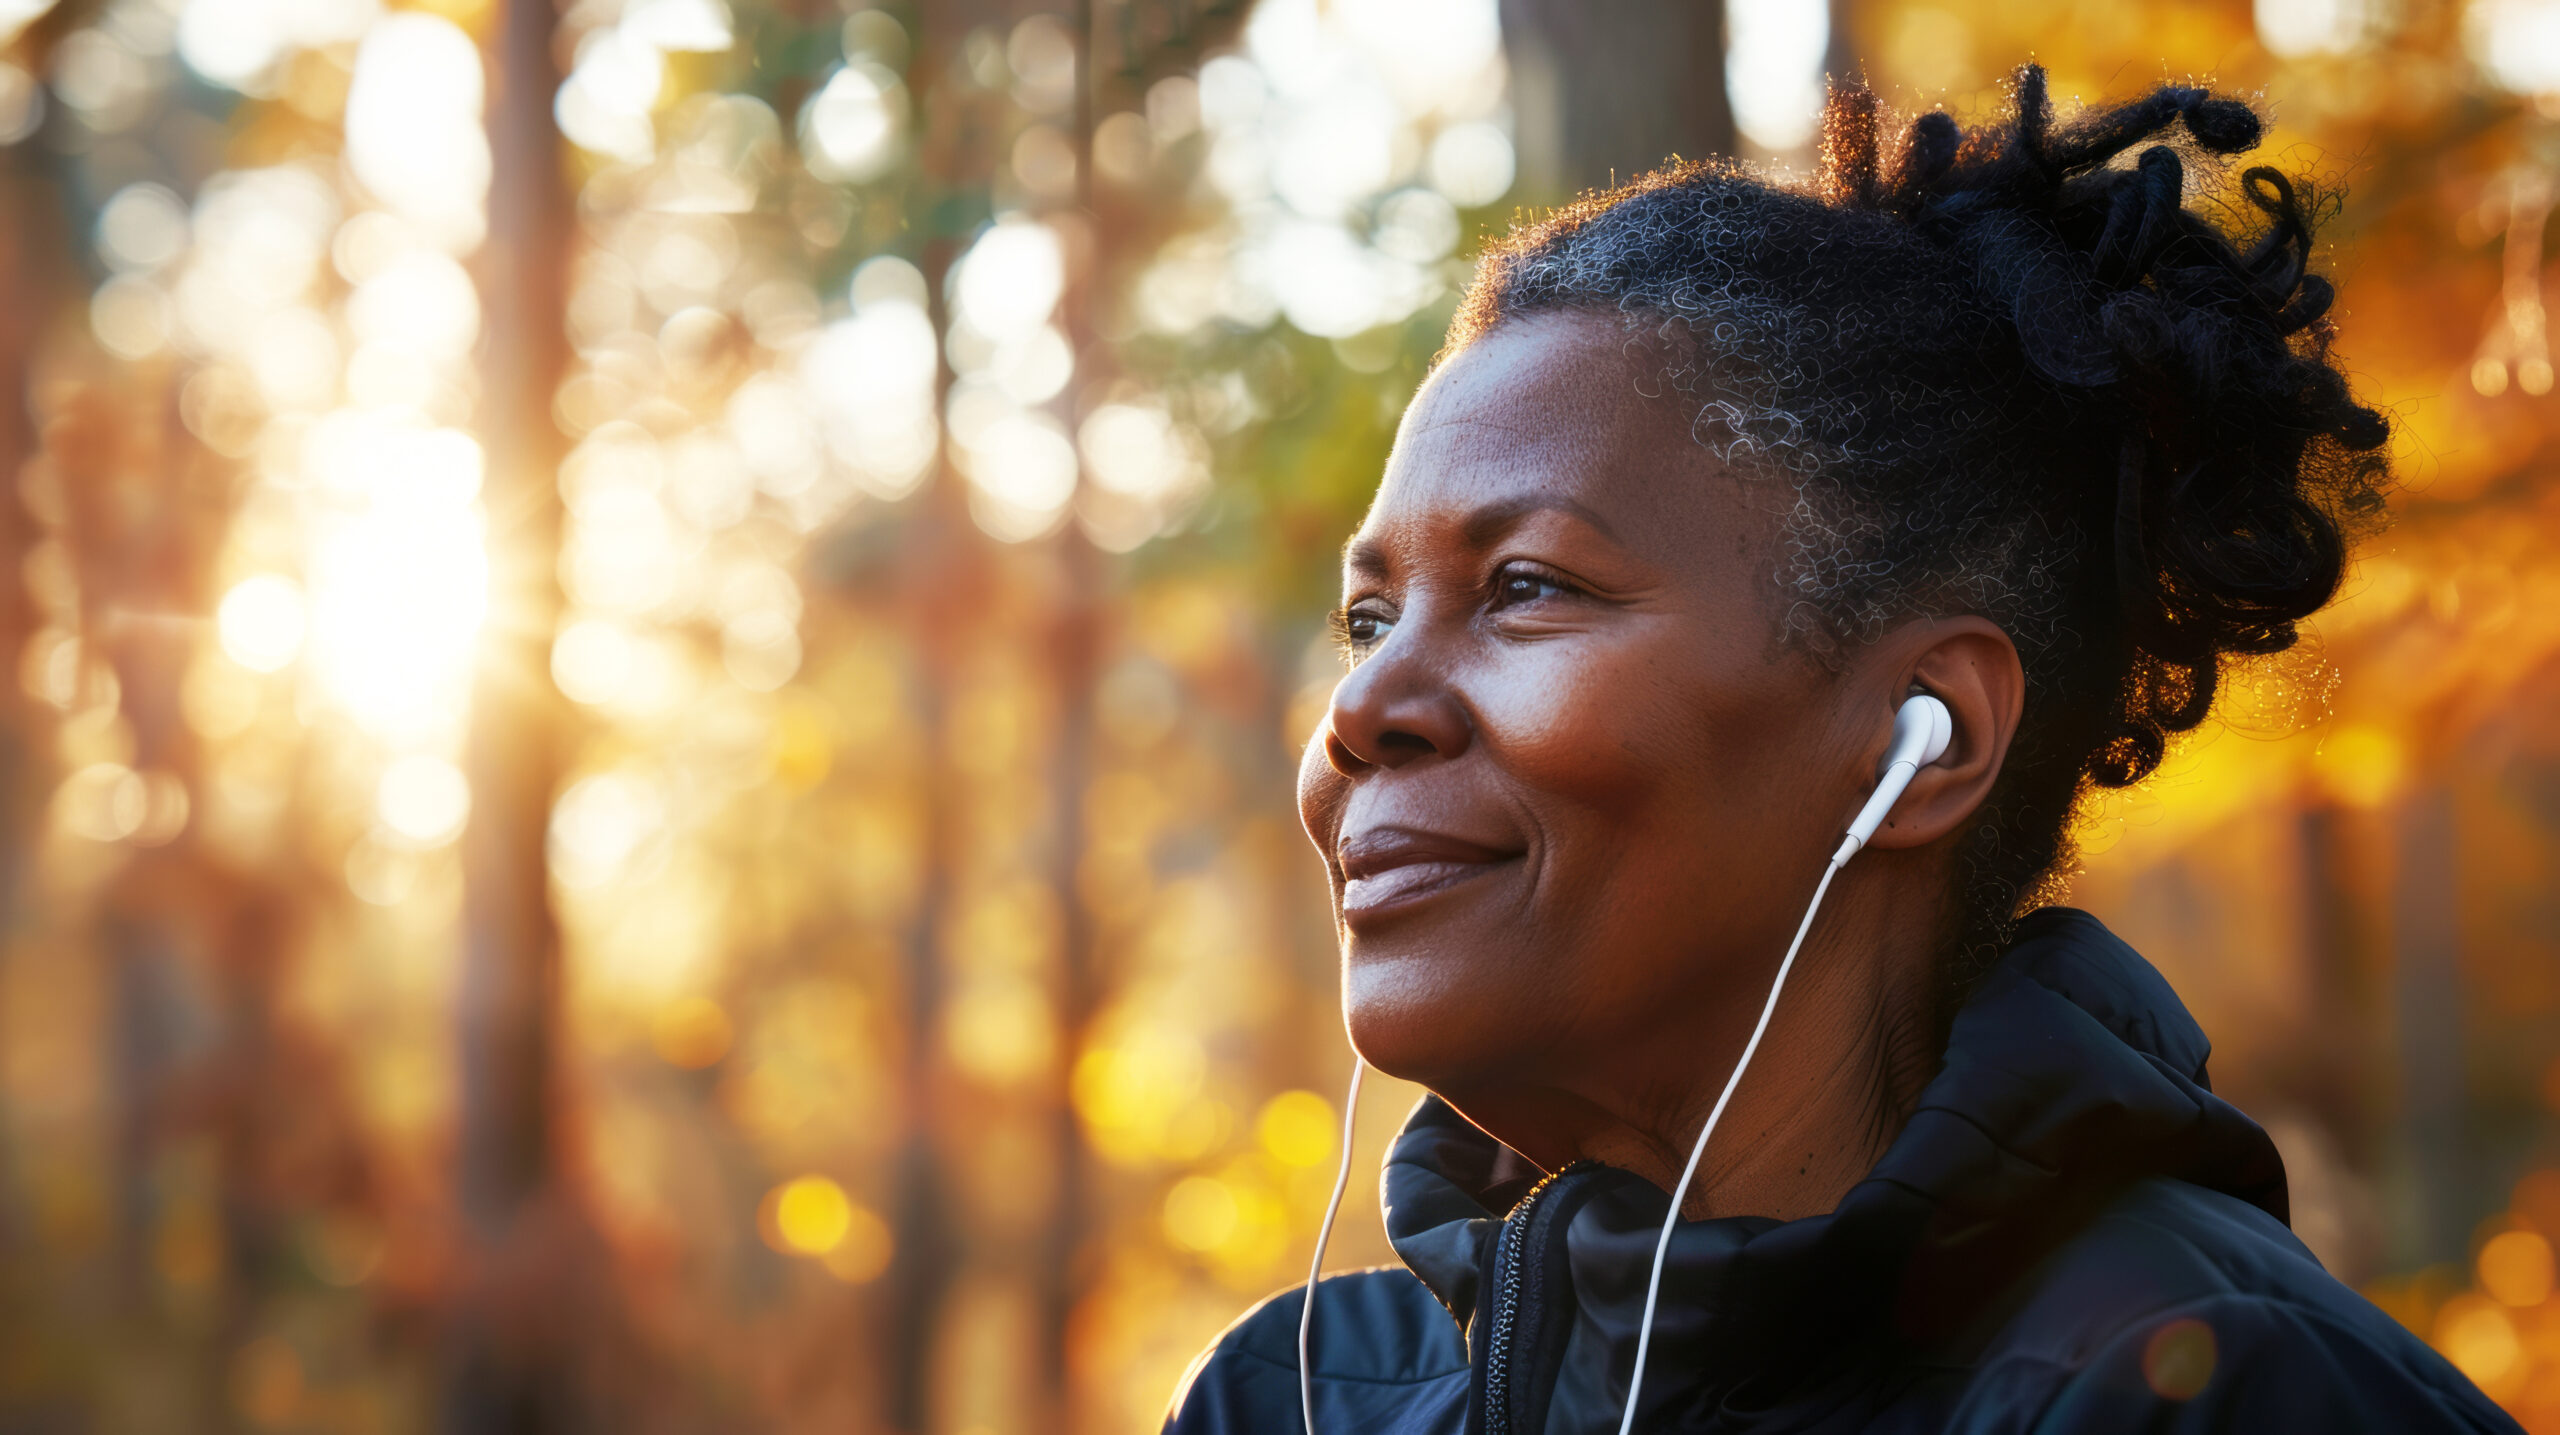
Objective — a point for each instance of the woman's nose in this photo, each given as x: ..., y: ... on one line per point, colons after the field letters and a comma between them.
x: 1391, y: 710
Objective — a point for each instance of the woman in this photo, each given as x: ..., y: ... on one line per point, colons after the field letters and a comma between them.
x: 1713, y: 476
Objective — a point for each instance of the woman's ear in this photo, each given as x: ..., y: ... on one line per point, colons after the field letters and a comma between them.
x: 1969, y: 664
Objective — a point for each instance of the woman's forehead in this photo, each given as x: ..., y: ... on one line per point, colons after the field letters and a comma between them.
x: 1557, y: 384
x: 1550, y: 414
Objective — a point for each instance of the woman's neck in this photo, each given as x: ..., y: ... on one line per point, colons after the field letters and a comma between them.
x: 1830, y: 1089
x: 1853, y: 1041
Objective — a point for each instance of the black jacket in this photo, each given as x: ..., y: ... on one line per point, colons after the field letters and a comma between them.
x: 2073, y: 1234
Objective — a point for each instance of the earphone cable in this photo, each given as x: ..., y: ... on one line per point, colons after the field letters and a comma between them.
x: 1324, y: 1234
x: 1688, y: 1173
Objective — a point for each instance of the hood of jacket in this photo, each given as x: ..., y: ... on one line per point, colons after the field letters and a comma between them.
x: 2072, y: 1073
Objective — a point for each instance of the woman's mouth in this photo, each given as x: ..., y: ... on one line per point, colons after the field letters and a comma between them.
x: 1387, y: 868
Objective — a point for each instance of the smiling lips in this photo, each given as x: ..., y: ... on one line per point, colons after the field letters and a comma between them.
x: 1388, y: 867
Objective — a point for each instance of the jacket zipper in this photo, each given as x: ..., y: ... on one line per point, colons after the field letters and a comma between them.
x: 1511, y: 1259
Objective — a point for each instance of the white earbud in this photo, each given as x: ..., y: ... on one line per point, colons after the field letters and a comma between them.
x: 1922, y: 729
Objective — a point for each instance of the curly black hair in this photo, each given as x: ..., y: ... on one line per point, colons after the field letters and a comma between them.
x: 2012, y: 370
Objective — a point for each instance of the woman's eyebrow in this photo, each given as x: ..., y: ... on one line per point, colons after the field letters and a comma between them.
x: 1487, y: 524
x: 1366, y: 557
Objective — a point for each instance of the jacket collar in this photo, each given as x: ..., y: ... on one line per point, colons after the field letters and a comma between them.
x: 2073, y: 1071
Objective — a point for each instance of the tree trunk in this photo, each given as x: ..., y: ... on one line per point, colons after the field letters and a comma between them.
x: 1601, y: 101
x: 509, y: 996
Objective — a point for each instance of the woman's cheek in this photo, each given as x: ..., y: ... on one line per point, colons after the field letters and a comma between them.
x: 1579, y: 719
x: 1320, y: 791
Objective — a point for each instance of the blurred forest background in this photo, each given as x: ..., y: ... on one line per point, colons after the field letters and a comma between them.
x: 657, y: 648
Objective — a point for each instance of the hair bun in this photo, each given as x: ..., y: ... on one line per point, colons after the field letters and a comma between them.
x: 2225, y: 126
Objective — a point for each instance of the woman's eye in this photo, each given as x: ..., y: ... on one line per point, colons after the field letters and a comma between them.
x: 1360, y: 629
x: 1515, y: 586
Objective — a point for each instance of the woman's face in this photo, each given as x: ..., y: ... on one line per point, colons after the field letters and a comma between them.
x: 1574, y: 793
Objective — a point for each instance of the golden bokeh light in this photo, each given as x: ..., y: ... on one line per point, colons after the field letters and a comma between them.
x: 1133, y: 1095
x: 2515, y: 1268
x: 850, y: 129
x: 103, y: 802
x: 2479, y: 1337
x: 1201, y: 1213
x: 1298, y: 1128
x: 600, y: 823
x: 424, y: 799
x: 863, y: 1254
x: 594, y: 661
x: 413, y: 136
x: 261, y: 621
x: 811, y: 1215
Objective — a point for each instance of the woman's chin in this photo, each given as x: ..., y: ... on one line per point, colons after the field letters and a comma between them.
x: 1415, y: 1017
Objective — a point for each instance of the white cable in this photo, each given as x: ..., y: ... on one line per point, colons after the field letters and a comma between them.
x: 1923, y: 729
x: 1324, y: 1233
x: 1662, y: 1247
